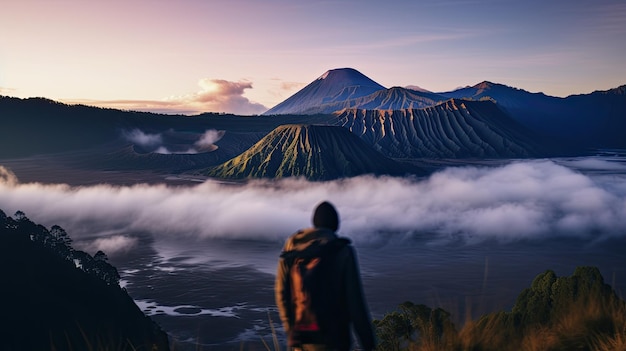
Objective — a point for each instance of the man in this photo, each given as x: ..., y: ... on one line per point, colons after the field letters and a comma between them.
x: 318, y: 288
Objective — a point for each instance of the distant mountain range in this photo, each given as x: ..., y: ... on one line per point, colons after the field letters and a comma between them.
x: 596, y: 120
x: 487, y: 120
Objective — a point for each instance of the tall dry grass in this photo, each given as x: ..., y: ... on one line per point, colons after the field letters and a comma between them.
x: 588, y: 325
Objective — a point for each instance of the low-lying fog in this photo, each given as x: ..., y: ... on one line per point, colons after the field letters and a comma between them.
x: 473, y: 230
x: 520, y: 200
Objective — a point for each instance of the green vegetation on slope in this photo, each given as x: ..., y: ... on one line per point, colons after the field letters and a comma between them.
x: 579, y: 312
x: 316, y: 152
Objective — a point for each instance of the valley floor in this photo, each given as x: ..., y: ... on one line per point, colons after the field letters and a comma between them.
x: 56, y: 170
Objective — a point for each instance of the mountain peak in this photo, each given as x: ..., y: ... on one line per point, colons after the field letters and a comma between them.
x: 621, y: 90
x: 417, y: 88
x: 334, y: 85
x: 485, y: 85
x: 345, y: 73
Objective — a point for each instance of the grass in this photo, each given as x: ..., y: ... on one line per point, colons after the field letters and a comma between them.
x: 591, y: 327
x: 274, y: 336
x: 91, y: 343
x: 581, y: 315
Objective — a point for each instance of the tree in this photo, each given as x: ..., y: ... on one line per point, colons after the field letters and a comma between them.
x: 104, y: 270
x: 416, y: 325
x: 60, y: 236
x: 20, y: 216
x: 100, y: 256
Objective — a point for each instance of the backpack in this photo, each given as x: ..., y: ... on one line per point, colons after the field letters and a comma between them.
x: 313, y: 294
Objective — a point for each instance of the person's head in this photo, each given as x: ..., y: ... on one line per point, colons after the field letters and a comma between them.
x: 325, y: 216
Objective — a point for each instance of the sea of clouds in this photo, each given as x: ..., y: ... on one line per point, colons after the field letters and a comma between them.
x: 522, y: 200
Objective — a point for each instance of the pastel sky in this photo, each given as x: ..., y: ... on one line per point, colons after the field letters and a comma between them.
x: 244, y: 56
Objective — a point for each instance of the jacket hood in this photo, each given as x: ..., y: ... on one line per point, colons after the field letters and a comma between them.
x: 313, y: 242
x: 306, y: 238
x: 326, y: 216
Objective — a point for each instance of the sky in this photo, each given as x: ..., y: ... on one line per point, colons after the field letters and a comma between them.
x: 245, y: 56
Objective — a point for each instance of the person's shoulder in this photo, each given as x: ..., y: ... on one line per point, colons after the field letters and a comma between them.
x: 294, y: 238
x: 342, y: 243
x: 343, y: 247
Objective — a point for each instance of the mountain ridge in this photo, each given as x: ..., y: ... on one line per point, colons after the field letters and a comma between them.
x: 597, y: 119
x: 451, y: 129
x: 594, y: 120
x: 394, y: 98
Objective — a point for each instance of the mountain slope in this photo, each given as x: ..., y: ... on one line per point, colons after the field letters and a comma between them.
x: 395, y: 98
x: 58, y: 298
x: 601, y: 116
x: 518, y: 102
x: 312, y: 151
x: 452, y: 129
x: 333, y: 86
x: 590, y: 120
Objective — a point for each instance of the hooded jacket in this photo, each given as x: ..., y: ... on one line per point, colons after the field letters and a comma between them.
x: 348, y: 298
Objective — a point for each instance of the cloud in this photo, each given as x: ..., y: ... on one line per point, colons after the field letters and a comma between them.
x: 282, y: 89
x: 210, y: 137
x: 532, y: 200
x: 112, y: 246
x: 291, y: 86
x: 604, y: 20
x: 166, y: 151
x: 6, y: 90
x: 7, y: 178
x: 157, y: 142
x: 218, y: 95
x: 592, y: 163
x: 215, y: 95
x: 136, y: 136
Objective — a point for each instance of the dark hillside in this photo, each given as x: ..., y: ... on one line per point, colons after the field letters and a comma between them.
x: 49, y: 303
x: 37, y: 126
x: 586, y: 120
x: 94, y: 138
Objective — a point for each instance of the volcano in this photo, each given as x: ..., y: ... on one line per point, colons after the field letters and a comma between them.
x: 336, y: 85
x: 315, y: 152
